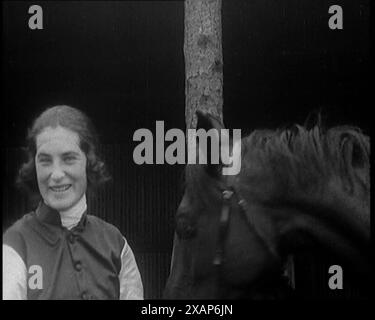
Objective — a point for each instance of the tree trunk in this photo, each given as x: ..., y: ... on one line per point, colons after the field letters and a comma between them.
x: 203, y: 59
x: 204, y: 69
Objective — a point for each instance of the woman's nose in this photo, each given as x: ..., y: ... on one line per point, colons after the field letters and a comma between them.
x: 57, y: 173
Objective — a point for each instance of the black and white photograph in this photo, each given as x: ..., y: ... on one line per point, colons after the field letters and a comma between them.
x: 205, y: 150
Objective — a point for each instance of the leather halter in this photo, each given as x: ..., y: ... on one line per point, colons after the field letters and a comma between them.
x: 223, y: 227
x: 227, y: 195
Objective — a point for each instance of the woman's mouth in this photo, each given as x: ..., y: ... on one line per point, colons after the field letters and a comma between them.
x: 61, y: 188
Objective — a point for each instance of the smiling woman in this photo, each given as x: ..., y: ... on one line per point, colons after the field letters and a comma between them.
x: 61, y: 167
x: 60, y: 250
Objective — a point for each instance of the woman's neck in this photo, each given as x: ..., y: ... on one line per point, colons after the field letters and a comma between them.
x: 71, y: 217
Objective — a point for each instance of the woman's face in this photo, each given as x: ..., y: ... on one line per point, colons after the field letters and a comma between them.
x: 60, y: 167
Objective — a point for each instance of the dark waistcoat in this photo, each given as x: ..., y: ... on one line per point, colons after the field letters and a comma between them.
x: 81, y: 263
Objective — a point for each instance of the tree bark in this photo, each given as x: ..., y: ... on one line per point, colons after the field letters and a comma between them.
x: 204, y: 69
x: 203, y: 59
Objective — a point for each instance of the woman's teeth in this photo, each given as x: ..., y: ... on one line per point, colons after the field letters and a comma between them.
x: 61, y: 188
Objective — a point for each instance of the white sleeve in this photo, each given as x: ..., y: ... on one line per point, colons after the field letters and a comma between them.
x: 131, y: 287
x: 14, y: 275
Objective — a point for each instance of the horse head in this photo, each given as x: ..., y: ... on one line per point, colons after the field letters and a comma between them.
x: 297, y: 187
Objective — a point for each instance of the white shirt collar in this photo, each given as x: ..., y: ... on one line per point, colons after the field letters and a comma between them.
x: 71, y: 217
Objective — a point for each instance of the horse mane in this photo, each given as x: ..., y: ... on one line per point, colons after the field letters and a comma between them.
x: 300, y: 157
x: 286, y: 162
x: 279, y: 166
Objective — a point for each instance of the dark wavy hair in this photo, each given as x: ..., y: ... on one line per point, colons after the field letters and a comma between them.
x: 76, y: 121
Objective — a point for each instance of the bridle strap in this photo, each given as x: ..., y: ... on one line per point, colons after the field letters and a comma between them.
x: 251, y: 222
x: 223, y: 230
x: 224, y: 226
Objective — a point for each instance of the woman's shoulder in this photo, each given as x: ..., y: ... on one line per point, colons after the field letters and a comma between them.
x: 15, y: 236
x: 20, y: 225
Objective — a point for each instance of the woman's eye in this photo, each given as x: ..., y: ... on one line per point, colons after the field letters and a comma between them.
x: 69, y: 159
x: 44, y: 161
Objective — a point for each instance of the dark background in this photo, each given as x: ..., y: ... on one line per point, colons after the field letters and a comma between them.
x: 122, y: 63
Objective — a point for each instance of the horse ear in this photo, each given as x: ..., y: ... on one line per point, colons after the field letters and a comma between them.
x: 207, y: 122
